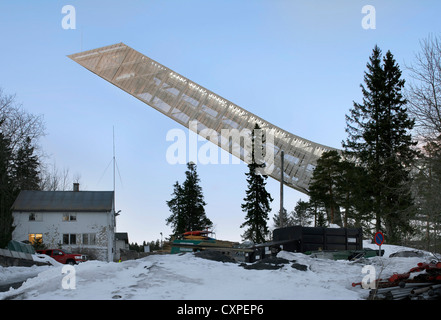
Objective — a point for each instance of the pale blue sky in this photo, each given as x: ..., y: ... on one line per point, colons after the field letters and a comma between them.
x: 297, y: 64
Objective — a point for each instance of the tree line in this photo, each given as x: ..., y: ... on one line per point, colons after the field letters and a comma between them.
x: 154, y: 245
x: 386, y: 177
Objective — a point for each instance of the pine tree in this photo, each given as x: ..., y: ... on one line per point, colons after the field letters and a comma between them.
x: 187, y: 205
x: 257, y: 200
x: 325, y: 183
x: 25, y: 168
x: 6, y: 191
x: 354, y: 196
x: 318, y: 211
x: 379, y: 138
x: 177, y: 219
x: 18, y: 162
x: 427, y: 185
x: 302, y: 214
x: 194, y: 201
x: 282, y: 219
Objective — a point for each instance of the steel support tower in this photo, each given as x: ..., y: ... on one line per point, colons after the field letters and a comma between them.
x: 198, y: 109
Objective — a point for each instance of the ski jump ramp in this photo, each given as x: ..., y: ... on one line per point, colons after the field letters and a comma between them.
x: 203, y: 111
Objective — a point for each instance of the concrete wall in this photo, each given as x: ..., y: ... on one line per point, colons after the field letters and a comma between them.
x: 132, y: 255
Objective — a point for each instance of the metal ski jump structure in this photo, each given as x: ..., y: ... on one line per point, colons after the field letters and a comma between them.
x: 186, y: 102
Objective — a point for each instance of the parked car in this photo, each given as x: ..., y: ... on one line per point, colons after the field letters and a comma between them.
x: 64, y: 257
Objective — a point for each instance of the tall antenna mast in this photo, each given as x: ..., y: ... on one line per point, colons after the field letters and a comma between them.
x: 114, y: 162
x: 114, y: 205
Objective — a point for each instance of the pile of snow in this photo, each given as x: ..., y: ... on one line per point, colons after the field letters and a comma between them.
x: 185, y: 276
x: 43, y: 258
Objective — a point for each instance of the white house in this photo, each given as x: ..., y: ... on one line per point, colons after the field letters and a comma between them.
x: 77, y: 221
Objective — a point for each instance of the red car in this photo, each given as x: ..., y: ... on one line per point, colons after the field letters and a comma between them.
x: 63, y: 257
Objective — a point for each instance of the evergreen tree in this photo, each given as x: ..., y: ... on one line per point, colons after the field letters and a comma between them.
x: 187, y: 205
x: 354, y: 197
x: 324, y: 188
x: 18, y: 172
x: 177, y: 219
x: 282, y: 219
x: 257, y: 200
x: 6, y: 191
x: 194, y: 201
x: 318, y: 211
x: 427, y: 186
x: 134, y: 247
x: 26, y: 168
x: 18, y: 162
x: 379, y: 139
x: 302, y: 214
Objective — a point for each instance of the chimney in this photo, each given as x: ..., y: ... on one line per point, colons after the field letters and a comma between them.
x: 76, y: 187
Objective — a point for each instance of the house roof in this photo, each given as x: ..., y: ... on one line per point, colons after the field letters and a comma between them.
x: 64, y: 201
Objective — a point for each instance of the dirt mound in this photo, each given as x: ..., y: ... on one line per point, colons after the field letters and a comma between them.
x: 214, y: 255
x: 269, y: 263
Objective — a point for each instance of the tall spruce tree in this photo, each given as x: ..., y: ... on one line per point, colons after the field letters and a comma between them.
x: 177, y: 218
x: 6, y: 191
x: 26, y: 167
x: 18, y: 171
x: 282, y: 219
x: 187, y: 204
x: 257, y: 200
x: 379, y: 138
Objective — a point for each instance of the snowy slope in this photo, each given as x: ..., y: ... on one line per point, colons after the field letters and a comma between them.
x: 179, y: 277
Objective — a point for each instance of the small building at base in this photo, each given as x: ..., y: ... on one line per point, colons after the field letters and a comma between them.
x: 121, y: 243
x: 76, y: 221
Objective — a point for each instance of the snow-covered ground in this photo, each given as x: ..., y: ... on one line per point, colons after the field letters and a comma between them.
x: 187, y: 277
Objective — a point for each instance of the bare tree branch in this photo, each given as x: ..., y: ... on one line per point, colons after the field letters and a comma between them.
x: 424, y: 92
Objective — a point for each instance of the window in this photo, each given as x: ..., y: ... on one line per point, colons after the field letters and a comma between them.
x: 69, y: 238
x: 92, y: 238
x: 69, y: 217
x: 89, y: 239
x: 35, y: 238
x: 85, y: 238
x: 57, y: 253
x: 35, y: 217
